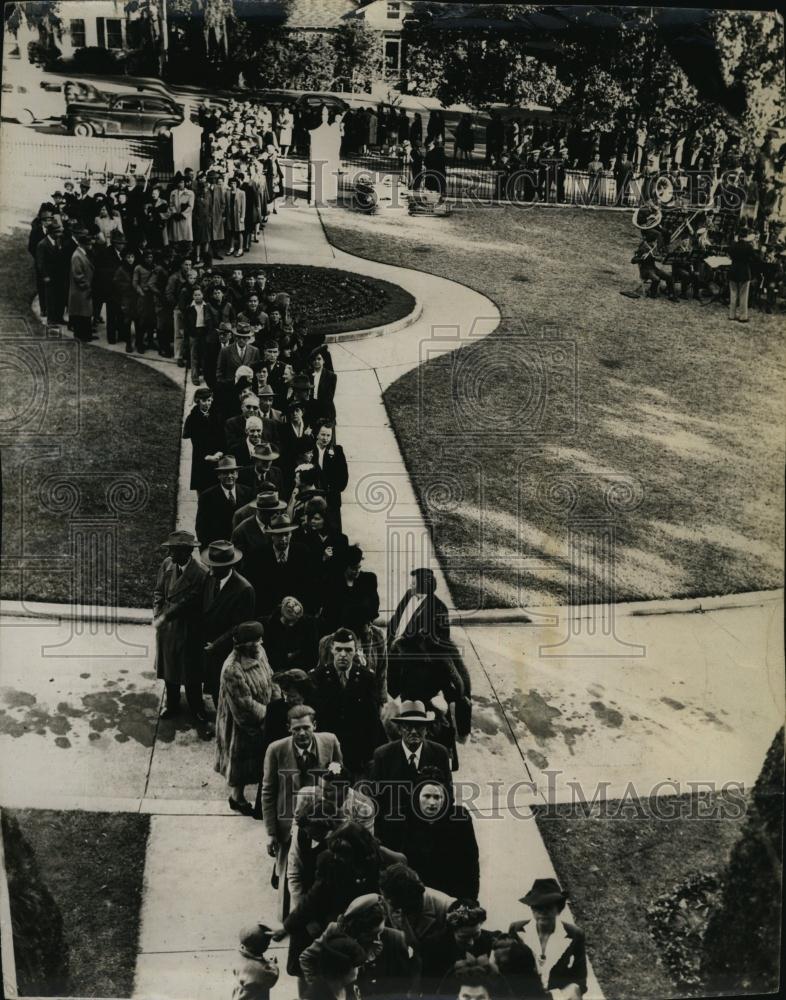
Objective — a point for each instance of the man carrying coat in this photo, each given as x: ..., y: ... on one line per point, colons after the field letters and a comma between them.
x: 175, y: 611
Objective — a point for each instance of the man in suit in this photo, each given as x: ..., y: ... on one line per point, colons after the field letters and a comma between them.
x: 395, y: 769
x: 235, y: 217
x: 346, y: 702
x: 333, y: 473
x: 226, y: 600
x: 216, y: 199
x: 86, y: 204
x: 230, y: 358
x: 107, y: 260
x: 291, y: 764
x: 175, y: 612
x: 261, y: 485
x: 80, y: 290
x: 217, y: 504
x: 323, y: 386
x: 235, y: 427
x: 266, y: 396
x: 281, y: 569
x: 250, y: 536
x: 49, y: 268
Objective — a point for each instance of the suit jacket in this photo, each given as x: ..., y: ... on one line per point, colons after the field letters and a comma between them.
x: 566, y: 956
x: 80, y: 288
x: 229, y: 361
x: 235, y: 430
x: 107, y: 261
x: 214, y: 512
x: 391, y: 786
x: 351, y: 712
x: 210, y: 331
x: 49, y: 261
x: 176, y: 598
x: 236, y: 216
x: 273, y: 580
x: 324, y: 396
x: 281, y: 780
x: 334, y: 475
x: 220, y: 611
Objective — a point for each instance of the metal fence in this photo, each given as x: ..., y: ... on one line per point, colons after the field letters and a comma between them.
x: 481, y: 183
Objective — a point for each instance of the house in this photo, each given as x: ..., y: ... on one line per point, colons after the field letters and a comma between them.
x: 100, y: 24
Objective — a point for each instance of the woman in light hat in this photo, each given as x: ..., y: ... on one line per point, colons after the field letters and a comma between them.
x: 245, y: 692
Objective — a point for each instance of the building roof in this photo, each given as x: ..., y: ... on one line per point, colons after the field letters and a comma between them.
x: 298, y: 13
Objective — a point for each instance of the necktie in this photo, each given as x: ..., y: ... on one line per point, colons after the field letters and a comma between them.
x: 178, y: 571
x: 413, y: 762
x: 232, y: 497
x: 343, y: 675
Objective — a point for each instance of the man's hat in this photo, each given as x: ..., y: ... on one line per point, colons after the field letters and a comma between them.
x: 268, y: 501
x: 181, y: 538
x: 301, y: 383
x: 271, y: 345
x: 267, y: 390
x: 413, y: 711
x: 118, y: 239
x: 84, y: 183
x: 244, y: 331
x: 281, y: 525
x: 227, y: 463
x: 543, y: 891
x: 423, y: 574
x: 295, y: 404
x: 265, y: 453
x: 222, y: 553
x: 248, y: 632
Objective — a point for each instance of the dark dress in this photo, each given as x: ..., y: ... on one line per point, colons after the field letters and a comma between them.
x: 444, y: 852
x: 206, y: 436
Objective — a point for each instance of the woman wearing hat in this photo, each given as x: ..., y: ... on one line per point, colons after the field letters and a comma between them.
x: 203, y: 428
x: 246, y: 691
x: 554, y: 947
x: 335, y: 964
x: 323, y: 542
x: 439, y: 839
x: 464, y: 945
x: 388, y: 968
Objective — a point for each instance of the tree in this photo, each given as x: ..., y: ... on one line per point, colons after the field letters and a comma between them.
x: 358, y: 56
x: 741, y: 944
x: 34, y: 23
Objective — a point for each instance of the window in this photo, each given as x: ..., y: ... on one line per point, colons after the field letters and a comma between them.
x: 392, y: 56
x: 114, y: 33
x: 154, y: 104
x: 128, y: 104
x: 393, y: 10
x: 78, y: 35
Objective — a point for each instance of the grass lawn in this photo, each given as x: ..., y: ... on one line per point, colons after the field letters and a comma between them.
x: 673, y: 400
x: 614, y: 868
x: 89, y: 867
x: 328, y: 301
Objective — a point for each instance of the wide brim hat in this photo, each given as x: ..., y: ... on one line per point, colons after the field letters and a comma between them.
x: 281, y: 525
x: 265, y: 453
x: 228, y: 463
x: 544, y: 891
x: 117, y: 239
x: 268, y: 500
x: 181, y: 538
x: 246, y: 332
x: 221, y: 553
x: 414, y: 711
x: 267, y: 390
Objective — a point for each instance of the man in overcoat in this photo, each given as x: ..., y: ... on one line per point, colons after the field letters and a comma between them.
x: 80, y: 289
x: 227, y: 600
x: 176, y: 596
x: 217, y: 505
x: 216, y: 196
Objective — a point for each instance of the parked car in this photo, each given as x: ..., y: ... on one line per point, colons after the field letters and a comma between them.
x: 137, y: 113
x: 310, y: 107
x: 35, y: 99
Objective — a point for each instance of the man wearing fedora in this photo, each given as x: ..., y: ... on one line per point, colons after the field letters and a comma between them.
x: 282, y: 568
x: 262, y: 485
x: 226, y: 600
x: 175, y: 610
x: 396, y: 766
x: 80, y: 289
x: 240, y: 352
x: 346, y: 702
x: 555, y: 947
x: 50, y: 269
x: 108, y: 259
x: 251, y: 535
x: 217, y: 504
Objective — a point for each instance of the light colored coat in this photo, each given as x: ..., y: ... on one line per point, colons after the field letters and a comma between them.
x: 236, y: 221
x: 245, y: 693
x: 281, y: 781
x: 216, y: 211
x: 182, y: 202
x: 80, y: 284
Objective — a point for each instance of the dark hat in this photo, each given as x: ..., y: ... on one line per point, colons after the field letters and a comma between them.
x: 247, y: 632
x: 117, y: 239
x: 222, y: 553
x: 413, y: 711
x: 268, y: 500
x: 423, y: 575
x: 227, y: 463
x: 270, y: 345
x: 294, y: 677
x: 339, y: 953
x: 84, y: 183
x: 281, y: 525
x: 543, y: 891
x: 296, y: 404
x: 203, y: 392
x: 301, y: 383
x: 264, y: 453
x: 181, y: 538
